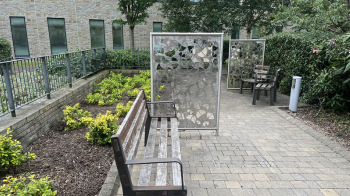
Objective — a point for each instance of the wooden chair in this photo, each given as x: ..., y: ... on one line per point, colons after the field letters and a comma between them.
x: 259, y: 72
x: 272, y: 87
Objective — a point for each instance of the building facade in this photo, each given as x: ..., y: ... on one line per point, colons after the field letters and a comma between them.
x: 46, y: 27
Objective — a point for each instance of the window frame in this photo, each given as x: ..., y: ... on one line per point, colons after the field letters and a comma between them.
x: 104, y: 33
x: 122, y: 36
x: 65, y: 32
x: 161, y: 26
x: 13, y: 44
x: 236, y: 28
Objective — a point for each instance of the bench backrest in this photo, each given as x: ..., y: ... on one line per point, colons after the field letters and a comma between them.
x: 126, y: 141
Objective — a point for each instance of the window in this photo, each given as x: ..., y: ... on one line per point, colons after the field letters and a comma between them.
x: 235, y: 32
x: 97, y: 33
x: 57, y: 33
x: 117, y: 31
x: 19, y: 36
x: 255, y: 33
x: 279, y: 29
x: 157, y: 27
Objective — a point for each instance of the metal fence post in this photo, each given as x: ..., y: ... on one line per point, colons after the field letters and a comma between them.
x: 138, y: 57
x: 84, y: 64
x: 9, y: 89
x: 104, y: 57
x: 68, y: 71
x: 47, y: 82
x: 95, y: 60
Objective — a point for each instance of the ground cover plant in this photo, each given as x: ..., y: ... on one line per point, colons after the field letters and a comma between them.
x: 77, y: 161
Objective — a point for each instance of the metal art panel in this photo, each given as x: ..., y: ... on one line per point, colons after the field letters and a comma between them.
x: 186, y: 68
x: 244, y: 54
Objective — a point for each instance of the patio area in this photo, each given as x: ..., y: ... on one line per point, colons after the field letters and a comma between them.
x: 261, y: 150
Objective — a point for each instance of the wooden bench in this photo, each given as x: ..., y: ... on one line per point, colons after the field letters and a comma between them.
x: 258, y: 71
x: 125, y: 142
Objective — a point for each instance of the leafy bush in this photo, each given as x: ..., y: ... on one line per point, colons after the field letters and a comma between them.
x: 226, y: 50
x: 5, y: 48
x: 111, y: 89
x: 126, y: 59
x: 317, y: 60
x: 11, y: 152
x: 122, y: 110
x: 102, y: 128
x: 74, y: 117
x: 21, y: 186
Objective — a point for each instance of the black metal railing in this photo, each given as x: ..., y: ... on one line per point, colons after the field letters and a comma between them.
x: 25, y: 80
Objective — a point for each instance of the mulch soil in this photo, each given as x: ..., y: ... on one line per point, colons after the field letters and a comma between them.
x: 335, y: 125
x: 75, y: 166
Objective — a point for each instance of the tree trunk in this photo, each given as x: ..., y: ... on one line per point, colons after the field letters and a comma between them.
x: 132, y: 39
x: 248, y: 33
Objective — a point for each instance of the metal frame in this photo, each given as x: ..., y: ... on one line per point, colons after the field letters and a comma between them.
x: 221, y: 35
x: 25, y: 27
x: 104, y: 33
x: 65, y: 33
x: 229, y: 60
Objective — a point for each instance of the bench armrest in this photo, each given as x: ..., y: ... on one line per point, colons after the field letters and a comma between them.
x: 157, y: 102
x: 158, y: 160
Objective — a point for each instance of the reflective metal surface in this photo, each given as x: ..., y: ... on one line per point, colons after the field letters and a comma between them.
x: 185, y: 69
x: 244, y: 54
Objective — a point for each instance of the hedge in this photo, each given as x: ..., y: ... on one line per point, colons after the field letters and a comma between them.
x: 313, y: 57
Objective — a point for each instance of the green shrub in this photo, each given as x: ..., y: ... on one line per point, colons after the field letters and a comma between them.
x: 74, y: 117
x: 313, y: 57
x: 122, y: 110
x: 5, y: 48
x: 226, y: 50
x: 128, y: 60
x: 11, y: 153
x: 27, y: 186
x: 102, y: 128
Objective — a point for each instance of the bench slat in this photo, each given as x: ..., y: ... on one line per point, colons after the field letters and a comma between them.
x: 133, y: 133
x: 145, y: 174
x: 126, y: 124
x: 162, y: 153
x: 176, y: 153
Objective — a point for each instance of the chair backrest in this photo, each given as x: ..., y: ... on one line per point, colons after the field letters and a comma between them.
x: 260, y: 72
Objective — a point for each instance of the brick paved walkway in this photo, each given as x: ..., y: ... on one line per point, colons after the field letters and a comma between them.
x: 262, y: 150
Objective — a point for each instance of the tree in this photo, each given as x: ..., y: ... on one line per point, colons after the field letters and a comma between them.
x: 202, y: 16
x: 316, y: 15
x: 135, y: 13
x: 255, y: 13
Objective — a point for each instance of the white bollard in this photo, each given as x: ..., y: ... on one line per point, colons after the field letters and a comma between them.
x: 294, y: 93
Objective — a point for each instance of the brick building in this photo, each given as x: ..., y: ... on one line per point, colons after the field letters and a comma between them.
x: 45, y: 27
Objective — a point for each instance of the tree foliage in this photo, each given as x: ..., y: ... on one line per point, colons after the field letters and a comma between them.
x: 135, y: 12
x: 203, y: 16
x: 255, y: 13
x: 316, y: 15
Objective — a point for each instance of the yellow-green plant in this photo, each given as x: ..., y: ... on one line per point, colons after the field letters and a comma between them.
x: 73, y: 116
x: 102, y: 128
x: 161, y: 88
x: 20, y: 186
x: 122, y: 110
x: 11, y: 154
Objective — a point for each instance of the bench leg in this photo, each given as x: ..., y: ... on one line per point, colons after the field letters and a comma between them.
x: 254, y: 96
x: 258, y: 96
x: 275, y: 94
x: 241, y: 87
x: 252, y: 87
x: 147, y: 127
x: 272, y: 97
